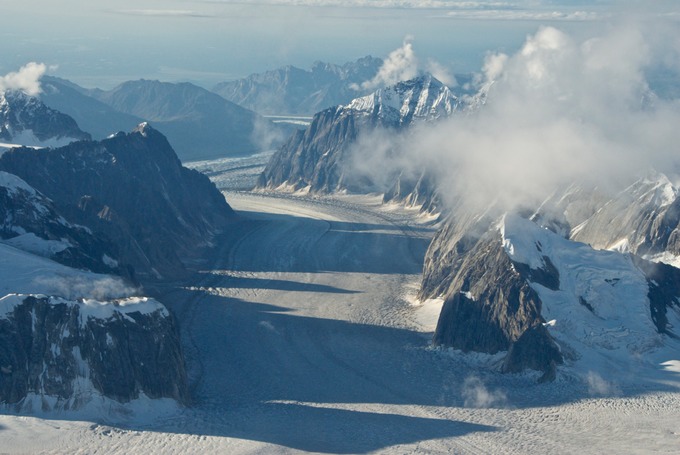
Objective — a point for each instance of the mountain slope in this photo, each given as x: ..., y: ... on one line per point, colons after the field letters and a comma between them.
x: 29, y: 221
x: 93, y: 116
x: 320, y: 158
x: 199, y: 124
x: 503, y: 277
x: 132, y: 190
x: 294, y: 91
x: 26, y: 120
x: 61, y: 354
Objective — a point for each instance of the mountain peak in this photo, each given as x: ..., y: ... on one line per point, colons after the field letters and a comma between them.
x: 421, y: 98
x: 143, y: 128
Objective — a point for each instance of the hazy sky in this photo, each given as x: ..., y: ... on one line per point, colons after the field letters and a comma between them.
x: 104, y: 43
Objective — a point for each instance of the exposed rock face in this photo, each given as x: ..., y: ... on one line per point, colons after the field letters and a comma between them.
x: 489, y: 303
x: 132, y: 190
x: 664, y: 288
x: 26, y: 120
x: 199, y: 124
x: 535, y: 350
x: 68, y: 352
x: 30, y: 222
x: 415, y: 191
x: 320, y: 158
x: 292, y: 90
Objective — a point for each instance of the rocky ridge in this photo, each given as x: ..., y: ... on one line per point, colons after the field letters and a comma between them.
x: 26, y: 120
x: 320, y: 159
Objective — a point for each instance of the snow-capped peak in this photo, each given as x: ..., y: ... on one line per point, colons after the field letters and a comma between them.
x: 143, y: 129
x: 424, y: 98
x: 14, y: 183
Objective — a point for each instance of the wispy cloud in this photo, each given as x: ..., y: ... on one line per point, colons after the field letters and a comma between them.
x: 162, y: 13
x: 419, y: 4
x: 528, y: 15
x: 27, y: 79
x: 476, y: 395
x: 402, y: 64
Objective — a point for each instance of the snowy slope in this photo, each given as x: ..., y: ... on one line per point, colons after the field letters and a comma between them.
x: 422, y: 98
x: 600, y: 314
x: 27, y: 121
x: 26, y: 273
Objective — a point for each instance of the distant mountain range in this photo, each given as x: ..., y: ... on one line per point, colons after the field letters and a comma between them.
x: 294, y: 91
x: 198, y: 123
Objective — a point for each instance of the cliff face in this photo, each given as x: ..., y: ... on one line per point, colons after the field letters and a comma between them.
x: 489, y: 303
x: 68, y: 352
x: 131, y: 190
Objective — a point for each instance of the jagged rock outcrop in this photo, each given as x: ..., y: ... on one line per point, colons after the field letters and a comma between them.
x: 323, y: 157
x: 294, y: 91
x: 66, y: 353
x: 26, y: 120
x: 489, y: 303
x: 415, y: 191
x: 131, y: 190
x: 535, y: 350
x: 29, y: 221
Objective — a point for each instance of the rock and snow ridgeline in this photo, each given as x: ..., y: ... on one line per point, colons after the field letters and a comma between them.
x: 319, y: 159
x: 69, y: 352
x: 26, y: 120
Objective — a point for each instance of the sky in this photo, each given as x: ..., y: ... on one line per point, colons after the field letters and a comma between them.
x: 101, y: 44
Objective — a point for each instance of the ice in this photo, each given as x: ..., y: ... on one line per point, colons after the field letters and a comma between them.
x: 601, y: 310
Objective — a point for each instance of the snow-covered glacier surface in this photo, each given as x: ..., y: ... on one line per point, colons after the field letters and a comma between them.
x: 303, y: 336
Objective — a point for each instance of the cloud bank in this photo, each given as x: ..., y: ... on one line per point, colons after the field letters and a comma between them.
x: 560, y: 110
x: 27, y: 79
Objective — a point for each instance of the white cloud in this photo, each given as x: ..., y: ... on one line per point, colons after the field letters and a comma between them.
x: 400, y: 65
x: 77, y: 287
x: 476, y: 395
x: 27, y: 79
x: 560, y: 110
